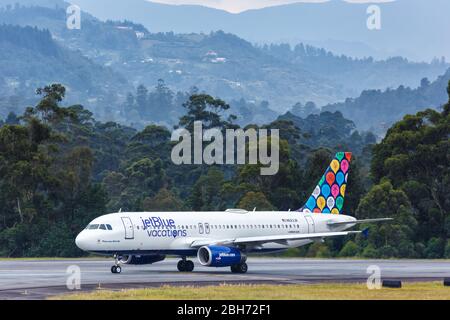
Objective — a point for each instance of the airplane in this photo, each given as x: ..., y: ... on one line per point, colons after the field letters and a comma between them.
x: 223, y: 239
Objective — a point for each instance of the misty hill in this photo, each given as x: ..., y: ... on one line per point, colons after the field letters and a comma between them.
x: 354, y: 74
x: 335, y: 25
x: 222, y: 64
x: 376, y: 110
x: 30, y: 58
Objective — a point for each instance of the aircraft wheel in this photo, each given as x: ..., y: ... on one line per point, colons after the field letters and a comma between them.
x: 239, y: 268
x: 243, y: 267
x: 116, y: 269
x: 181, y: 265
x: 189, y: 266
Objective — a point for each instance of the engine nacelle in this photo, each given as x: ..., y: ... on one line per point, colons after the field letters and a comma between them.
x: 215, y: 256
x: 139, y: 259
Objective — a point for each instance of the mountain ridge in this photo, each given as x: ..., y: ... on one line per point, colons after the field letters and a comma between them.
x: 301, y: 22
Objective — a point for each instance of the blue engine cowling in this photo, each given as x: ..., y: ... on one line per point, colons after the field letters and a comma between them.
x: 215, y: 256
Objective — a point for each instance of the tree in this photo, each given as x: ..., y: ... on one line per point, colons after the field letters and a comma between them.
x: 46, y: 186
x: 141, y: 100
x: 383, y: 200
x: 208, y: 110
x: 12, y: 118
x: 48, y: 109
x: 256, y: 200
x: 164, y: 200
x: 349, y: 250
x: 205, y: 193
x: 414, y: 156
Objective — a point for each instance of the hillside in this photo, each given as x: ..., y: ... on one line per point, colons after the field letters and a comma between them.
x: 377, y: 110
x: 335, y: 25
x: 223, y: 64
x: 48, y: 62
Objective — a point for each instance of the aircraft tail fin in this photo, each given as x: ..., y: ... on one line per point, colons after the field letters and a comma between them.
x: 328, y: 196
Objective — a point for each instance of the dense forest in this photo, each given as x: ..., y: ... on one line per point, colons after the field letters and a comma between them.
x: 60, y: 168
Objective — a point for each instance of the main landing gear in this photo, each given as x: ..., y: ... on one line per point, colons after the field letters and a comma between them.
x: 239, y: 268
x: 116, y: 268
x: 185, y: 265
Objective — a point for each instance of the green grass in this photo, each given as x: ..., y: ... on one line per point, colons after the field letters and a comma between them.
x: 335, y: 291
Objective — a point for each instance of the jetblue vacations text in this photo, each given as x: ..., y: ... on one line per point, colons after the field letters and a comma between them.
x: 162, y: 228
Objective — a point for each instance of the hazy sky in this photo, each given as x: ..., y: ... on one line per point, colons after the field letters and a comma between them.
x: 236, y: 6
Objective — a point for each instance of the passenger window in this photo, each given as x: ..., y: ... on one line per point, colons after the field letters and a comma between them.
x: 102, y: 227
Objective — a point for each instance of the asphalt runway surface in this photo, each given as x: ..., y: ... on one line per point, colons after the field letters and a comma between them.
x: 39, y: 279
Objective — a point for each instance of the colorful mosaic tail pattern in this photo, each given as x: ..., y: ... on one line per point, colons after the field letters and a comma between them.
x: 328, y: 196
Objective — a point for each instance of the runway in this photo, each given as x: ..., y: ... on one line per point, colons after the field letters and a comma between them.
x: 38, y: 279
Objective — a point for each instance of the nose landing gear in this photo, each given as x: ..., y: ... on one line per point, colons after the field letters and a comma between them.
x: 185, y: 265
x: 116, y: 268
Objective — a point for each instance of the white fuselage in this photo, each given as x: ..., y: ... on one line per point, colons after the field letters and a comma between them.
x: 174, y: 232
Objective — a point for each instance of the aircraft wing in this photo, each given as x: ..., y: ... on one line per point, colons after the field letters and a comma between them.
x: 268, y: 239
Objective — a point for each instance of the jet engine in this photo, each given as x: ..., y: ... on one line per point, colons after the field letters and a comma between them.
x: 216, y: 256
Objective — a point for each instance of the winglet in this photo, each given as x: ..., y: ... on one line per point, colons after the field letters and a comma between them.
x: 365, y: 233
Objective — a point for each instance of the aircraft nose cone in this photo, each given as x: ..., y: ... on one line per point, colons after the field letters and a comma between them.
x: 81, y: 241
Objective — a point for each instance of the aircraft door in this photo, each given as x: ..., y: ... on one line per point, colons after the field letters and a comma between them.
x: 311, y: 224
x: 129, y: 229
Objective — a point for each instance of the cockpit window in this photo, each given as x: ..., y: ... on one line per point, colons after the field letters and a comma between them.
x: 99, y: 226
